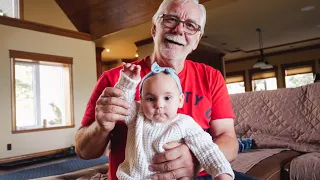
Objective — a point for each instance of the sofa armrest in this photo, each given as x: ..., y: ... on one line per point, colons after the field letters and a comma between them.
x: 271, y: 168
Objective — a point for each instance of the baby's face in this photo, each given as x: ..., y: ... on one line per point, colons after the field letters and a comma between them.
x: 161, y: 98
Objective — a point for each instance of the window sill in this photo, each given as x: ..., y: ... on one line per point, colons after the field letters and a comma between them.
x: 41, y: 129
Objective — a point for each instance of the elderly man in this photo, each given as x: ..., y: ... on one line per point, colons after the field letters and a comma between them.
x: 177, y: 29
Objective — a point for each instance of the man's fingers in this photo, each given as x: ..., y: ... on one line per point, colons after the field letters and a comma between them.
x: 171, y: 145
x: 168, y: 155
x: 166, y: 166
x: 116, y: 101
x: 185, y: 178
x: 112, y: 92
x: 176, y: 174
x: 114, y: 109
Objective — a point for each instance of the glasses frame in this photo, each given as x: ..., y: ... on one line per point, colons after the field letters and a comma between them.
x: 198, y: 28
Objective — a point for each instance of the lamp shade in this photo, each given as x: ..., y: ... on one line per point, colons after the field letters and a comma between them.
x: 266, y: 66
x: 259, y: 65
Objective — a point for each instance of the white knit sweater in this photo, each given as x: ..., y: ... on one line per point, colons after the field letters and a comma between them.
x: 146, y: 138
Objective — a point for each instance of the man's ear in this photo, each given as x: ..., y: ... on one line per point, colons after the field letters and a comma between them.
x: 181, y: 100
x: 153, y: 30
x: 197, y: 42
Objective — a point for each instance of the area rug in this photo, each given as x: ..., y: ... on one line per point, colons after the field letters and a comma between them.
x: 54, y: 169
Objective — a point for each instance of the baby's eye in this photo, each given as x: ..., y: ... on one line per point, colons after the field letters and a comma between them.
x: 167, y: 98
x: 151, y: 99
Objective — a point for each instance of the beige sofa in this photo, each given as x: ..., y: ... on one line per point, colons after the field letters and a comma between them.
x: 284, y: 124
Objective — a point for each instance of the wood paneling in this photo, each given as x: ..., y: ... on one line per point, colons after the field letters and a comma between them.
x: 102, y: 17
x: 43, y: 28
x: 99, y: 61
x: 78, y: 13
x: 213, y: 59
x: 274, y: 54
x: 144, y: 42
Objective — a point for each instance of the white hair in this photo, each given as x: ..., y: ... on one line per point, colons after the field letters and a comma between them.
x: 165, y: 4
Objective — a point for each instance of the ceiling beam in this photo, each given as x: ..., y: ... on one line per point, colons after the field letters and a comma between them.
x: 78, y: 13
x: 102, y: 17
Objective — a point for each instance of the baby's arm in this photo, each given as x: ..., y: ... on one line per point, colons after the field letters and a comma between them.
x: 128, y: 81
x: 206, y: 151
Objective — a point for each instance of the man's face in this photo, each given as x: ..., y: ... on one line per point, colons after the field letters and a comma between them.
x: 175, y: 43
x: 160, y: 98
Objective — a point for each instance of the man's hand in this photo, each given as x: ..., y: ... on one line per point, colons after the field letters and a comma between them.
x: 177, y: 162
x: 111, y: 108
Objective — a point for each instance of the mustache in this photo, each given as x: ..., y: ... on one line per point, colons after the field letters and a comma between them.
x: 175, y: 38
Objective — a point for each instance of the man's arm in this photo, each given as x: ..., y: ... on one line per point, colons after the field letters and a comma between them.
x: 91, y: 141
x: 223, y: 134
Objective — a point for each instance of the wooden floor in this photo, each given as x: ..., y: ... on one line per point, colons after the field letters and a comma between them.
x: 6, y: 171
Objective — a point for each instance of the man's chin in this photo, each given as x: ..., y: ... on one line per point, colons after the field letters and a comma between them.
x: 171, y: 54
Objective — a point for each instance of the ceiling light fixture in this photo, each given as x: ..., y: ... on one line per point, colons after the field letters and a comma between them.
x: 137, y: 55
x: 108, y: 50
x: 307, y: 8
x: 262, y: 62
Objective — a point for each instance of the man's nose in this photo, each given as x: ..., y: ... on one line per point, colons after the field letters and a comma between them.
x: 179, y: 29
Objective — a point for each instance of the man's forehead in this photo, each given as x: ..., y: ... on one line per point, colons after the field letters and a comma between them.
x: 188, y: 10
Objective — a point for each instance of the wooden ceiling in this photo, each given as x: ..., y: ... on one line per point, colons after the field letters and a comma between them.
x: 102, y: 17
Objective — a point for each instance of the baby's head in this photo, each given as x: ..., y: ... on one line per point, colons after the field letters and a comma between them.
x: 161, y: 94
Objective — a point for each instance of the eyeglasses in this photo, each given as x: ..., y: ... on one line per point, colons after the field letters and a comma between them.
x: 171, y: 21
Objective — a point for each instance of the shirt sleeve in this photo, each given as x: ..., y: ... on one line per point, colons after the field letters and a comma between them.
x: 205, y: 150
x: 221, y: 104
x: 128, y: 86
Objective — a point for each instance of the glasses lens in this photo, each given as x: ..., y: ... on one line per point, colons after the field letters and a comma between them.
x: 171, y: 21
x: 190, y: 27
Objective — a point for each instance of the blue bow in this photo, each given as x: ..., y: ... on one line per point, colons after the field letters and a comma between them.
x: 155, y: 69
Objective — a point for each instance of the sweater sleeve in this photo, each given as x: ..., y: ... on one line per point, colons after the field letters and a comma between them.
x: 205, y: 150
x: 129, y: 86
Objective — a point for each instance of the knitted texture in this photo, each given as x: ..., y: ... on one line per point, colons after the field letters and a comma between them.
x: 146, y: 138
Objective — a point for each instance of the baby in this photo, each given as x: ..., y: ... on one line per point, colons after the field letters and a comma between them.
x: 154, y: 122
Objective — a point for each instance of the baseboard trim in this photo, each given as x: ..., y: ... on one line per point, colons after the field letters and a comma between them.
x: 33, y: 155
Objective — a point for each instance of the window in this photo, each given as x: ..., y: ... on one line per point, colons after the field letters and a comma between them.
x: 10, y: 8
x: 264, y: 81
x: 42, y: 91
x: 235, y: 84
x: 298, y: 76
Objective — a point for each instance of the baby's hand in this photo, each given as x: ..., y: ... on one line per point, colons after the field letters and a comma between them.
x: 132, y: 70
x: 223, y: 177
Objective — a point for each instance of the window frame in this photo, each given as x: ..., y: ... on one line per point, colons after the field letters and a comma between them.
x: 36, y: 57
x: 256, y: 71
x: 238, y: 73
x: 18, y: 12
x: 301, y: 64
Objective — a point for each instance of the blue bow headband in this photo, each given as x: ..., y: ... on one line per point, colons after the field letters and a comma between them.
x: 155, y: 69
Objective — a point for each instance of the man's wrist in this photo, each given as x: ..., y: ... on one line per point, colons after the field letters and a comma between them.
x: 98, y: 128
